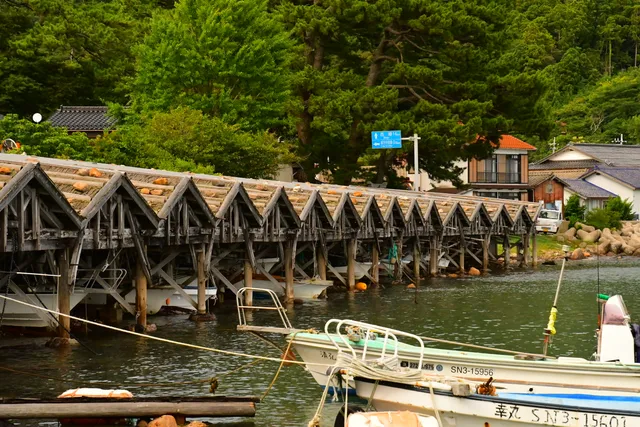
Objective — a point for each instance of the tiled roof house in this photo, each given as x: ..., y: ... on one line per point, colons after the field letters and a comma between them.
x: 92, y: 120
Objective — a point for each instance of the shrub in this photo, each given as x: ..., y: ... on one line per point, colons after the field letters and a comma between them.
x: 573, y: 211
x: 602, y: 218
x: 623, y: 207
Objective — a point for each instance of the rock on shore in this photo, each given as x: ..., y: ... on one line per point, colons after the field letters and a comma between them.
x: 617, y: 242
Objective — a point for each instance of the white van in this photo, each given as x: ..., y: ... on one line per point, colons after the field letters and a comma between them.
x: 548, y: 221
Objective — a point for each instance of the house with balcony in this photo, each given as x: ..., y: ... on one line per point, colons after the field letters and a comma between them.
x: 504, y: 175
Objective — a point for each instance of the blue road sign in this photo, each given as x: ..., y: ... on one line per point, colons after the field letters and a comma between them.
x: 386, y: 139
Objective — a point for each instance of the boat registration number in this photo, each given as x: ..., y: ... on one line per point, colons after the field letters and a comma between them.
x: 557, y: 417
x: 472, y: 370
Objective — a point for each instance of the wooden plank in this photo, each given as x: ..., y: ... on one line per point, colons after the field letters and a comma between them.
x: 123, y: 409
x: 21, y: 208
x: 224, y: 280
x: 114, y: 293
x: 171, y: 282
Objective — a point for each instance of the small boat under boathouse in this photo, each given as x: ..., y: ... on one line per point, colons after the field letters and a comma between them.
x: 77, y: 227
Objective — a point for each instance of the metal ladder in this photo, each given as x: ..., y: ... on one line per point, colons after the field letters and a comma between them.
x: 286, y: 329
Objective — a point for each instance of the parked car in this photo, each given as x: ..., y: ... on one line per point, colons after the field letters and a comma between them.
x: 548, y: 221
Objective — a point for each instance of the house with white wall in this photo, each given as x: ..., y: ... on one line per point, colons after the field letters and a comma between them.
x: 621, y: 181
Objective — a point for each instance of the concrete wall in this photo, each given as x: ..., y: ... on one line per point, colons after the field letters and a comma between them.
x: 569, y: 155
x: 624, y: 191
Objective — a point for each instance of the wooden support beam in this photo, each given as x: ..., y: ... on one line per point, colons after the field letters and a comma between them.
x: 289, y: 261
x: 397, y: 268
x: 202, y: 283
x: 534, y: 248
x: 375, y: 263
x: 64, y: 293
x: 141, y: 294
x: 248, y: 281
x: 506, y: 248
x: 351, y: 264
x: 485, y: 253
x: 525, y: 250
x: 462, y: 255
x: 433, y: 256
x: 416, y: 260
x: 322, y: 264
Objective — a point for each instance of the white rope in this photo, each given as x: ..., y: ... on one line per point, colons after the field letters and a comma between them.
x: 433, y: 403
x: 151, y: 337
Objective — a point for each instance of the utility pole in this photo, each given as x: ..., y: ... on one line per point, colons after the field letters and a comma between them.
x: 416, y: 168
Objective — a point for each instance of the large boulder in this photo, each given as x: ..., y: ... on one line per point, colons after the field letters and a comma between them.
x: 474, y: 272
x: 615, y: 247
x: 585, y: 227
x: 563, y: 227
x: 628, y: 250
x: 603, y: 247
x: 570, y: 233
x: 577, y: 254
x: 164, y: 421
x: 589, y: 237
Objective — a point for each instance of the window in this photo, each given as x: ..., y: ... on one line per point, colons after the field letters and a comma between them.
x: 498, y: 195
x: 513, y: 168
x: 548, y: 188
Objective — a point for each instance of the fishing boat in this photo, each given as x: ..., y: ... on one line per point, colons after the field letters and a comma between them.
x: 156, y: 298
x: 613, y: 373
x: 15, y: 314
x: 178, y: 300
x: 503, y: 409
x: 360, y: 270
x: 304, y: 289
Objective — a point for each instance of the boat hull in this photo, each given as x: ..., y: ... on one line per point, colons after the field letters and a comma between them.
x: 506, y: 410
x: 361, y: 269
x: 311, y: 289
x: 156, y: 298
x: 530, y: 376
x: 179, y: 301
x: 19, y: 315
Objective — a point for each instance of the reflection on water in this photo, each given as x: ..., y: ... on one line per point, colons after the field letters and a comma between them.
x: 508, y: 311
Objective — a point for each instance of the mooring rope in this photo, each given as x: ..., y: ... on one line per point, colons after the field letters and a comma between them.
x: 165, y: 340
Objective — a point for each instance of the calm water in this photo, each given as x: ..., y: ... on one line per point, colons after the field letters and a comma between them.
x: 507, y: 311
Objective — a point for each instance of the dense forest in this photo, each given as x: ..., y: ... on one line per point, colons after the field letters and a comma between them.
x: 240, y: 86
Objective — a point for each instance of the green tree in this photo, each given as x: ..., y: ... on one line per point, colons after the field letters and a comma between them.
x: 434, y: 68
x: 227, y: 58
x: 602, y: 218
x: 187, y: 140
x: 55, y: 52
x: 574, y: 210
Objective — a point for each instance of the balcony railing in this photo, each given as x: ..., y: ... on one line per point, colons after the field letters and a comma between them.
x: 499, y: 178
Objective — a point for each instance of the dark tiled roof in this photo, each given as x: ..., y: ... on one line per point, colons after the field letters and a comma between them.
x: 82, y: 119
x: 629, y: 176
x: 612, y: 154
x: 565, y: 164
x: 587, y: 189
x: 536, y: 178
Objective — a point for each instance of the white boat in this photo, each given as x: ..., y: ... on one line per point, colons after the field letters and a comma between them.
x: 16, y: 314
x: 305, y: 289
x: 156, y: 298
x: 615, y: 373
x: 361, y: 269
x: 267, y: 263
x: 178, y: 300
x: 502, y: 410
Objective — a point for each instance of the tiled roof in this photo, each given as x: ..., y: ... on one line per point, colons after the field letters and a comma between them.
x: 536, y: 179
x: 629, y: 176
x: 82, y: 119
x: 564, y: 164
x: 611, y: 154
x: 587, y: 189
x: 511, y: 142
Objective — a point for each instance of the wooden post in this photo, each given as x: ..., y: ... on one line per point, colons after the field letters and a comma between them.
x: 506, y: 246
x: 398, y: 268
x: 248, y: 281
x: 462, y: 254
x: 288, y: 271
x: 141, y: 295
x: 322, y: 264
x: 534, y: 248
x: 64, y: 293
x: 485, y: 253
x: 202, y: 284
x: 525, y: 249
x: 433, y: 257
x: 351, y: 264
x: 375, y: 263
x: 416, y: 261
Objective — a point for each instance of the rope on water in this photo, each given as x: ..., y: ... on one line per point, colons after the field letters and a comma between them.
x: 165, y: 340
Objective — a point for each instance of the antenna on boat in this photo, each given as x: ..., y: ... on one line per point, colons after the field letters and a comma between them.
x: 553, y: 314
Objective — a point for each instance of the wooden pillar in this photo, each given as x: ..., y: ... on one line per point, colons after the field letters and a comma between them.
x: 375, y: 263
x: 416, y: 261
x: 399, y: 267
x: 202, y: 284
x: 288, y: 271
x: 433, y: 257
x: 64, y: 293
x: 141, y: 295
x: 485, y: 254
x: 525, y: 250
x: 322, y: 264
x: 248, y: 281
x: 506, y: 246
x: 351, y: 264
x: 462, y: 254
x: 534, y: 248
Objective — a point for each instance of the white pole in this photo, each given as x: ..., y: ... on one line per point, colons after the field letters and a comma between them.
x: 416, y: 168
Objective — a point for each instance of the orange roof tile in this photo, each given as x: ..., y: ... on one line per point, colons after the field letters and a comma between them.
x: 511, y: 142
